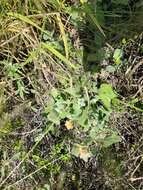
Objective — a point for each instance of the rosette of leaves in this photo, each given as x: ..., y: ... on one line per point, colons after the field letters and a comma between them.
x: 89, y: 109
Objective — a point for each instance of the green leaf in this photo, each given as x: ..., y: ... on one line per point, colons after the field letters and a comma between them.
x: 73, y: 91
x: 54, y: 92
x: 118, y: 54
x: 108, y: 141
x: 106, y: 94
x: 54, y: 117
x: 76, y: 110
x: 50, y: 105
x: 16, y: 156
x: 74, y: 14
x: 21, y: 89
x: 83, y: 120
x: 111, y: 68
x: 60, y: 108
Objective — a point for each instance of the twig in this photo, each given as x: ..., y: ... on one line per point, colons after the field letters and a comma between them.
x: 26, y: 156
x: 32, y: 173
x: 135, y: 68
x: 136, y: 179
x: 43, y: 15
x: 9, y: 40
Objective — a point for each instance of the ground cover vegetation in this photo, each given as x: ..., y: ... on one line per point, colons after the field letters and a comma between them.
x: 71, y: 95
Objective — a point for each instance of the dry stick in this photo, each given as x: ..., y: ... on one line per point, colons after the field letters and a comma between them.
x: 139, y: 91
x: 26, y: 133
x: 9, y: 40
x: 30, y: 151
x: 32, y: 173
x: 135, y: 68
x: 26, y: 7
x: 136, y: 179
x: 40, y: 15
x: 88, y: 100
x: 45, y: 75
x: 136, y: 169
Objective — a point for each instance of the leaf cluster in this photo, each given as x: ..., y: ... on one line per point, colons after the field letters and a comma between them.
x: 88, y: 108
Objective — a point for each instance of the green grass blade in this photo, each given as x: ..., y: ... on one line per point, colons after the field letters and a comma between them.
x: 57, y: 54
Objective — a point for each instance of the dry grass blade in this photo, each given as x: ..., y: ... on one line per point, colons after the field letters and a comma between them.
x: 32, y: 173
x: 62, y: 30
x: 136, y: 179
x: 9, y: 40
x: 48, y: 46
x: 41, y: 15
x: 26, y: 156
x: 26, y: 20
x: 135, y: 68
